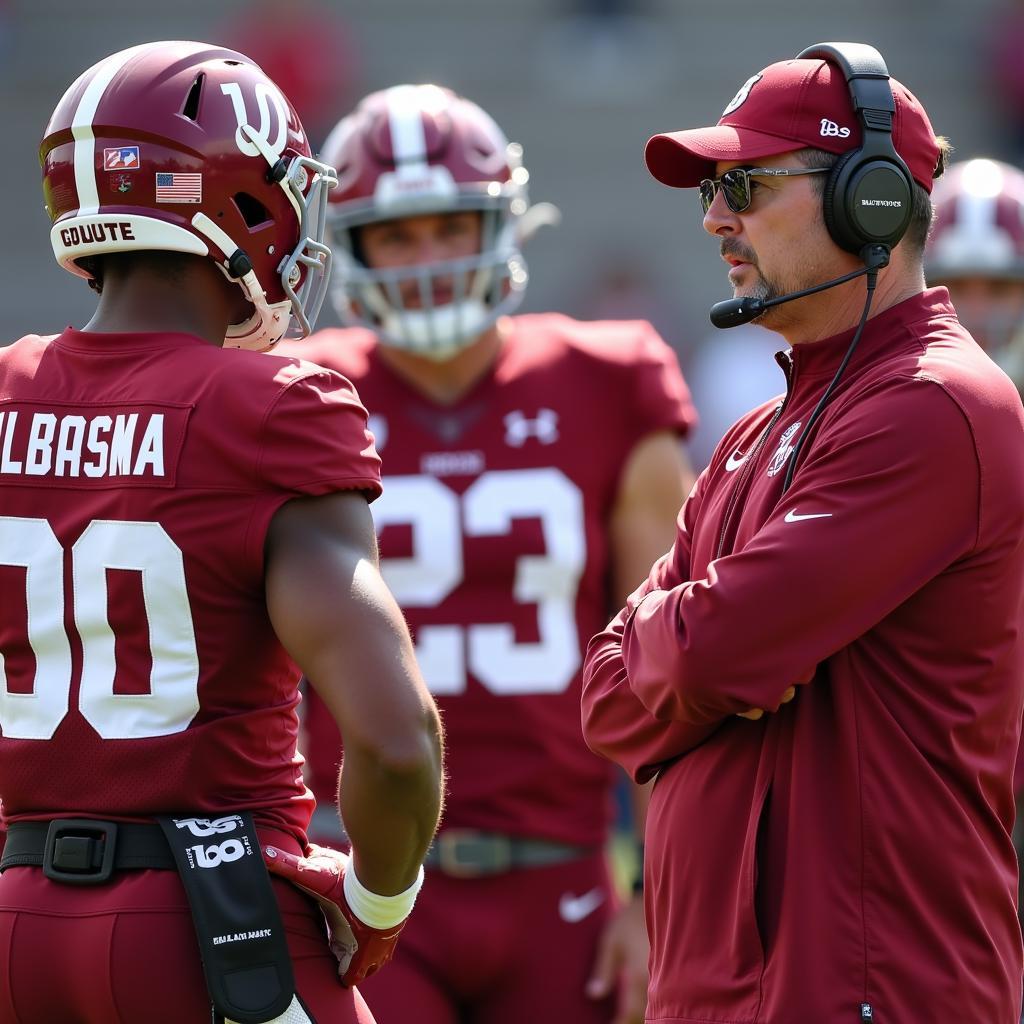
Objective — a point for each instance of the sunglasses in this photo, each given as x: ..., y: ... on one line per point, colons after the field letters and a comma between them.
x: 736, y: 184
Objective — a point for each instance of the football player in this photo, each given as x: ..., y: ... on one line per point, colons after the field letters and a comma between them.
x: 976, y: 249
x: 533, y: 473
x: 181, y: 521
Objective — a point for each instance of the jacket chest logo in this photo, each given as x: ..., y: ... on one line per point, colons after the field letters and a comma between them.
x: 784, y: 450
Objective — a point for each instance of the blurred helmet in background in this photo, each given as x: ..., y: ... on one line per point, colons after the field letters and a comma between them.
x: 189, y: 147
x: 976, y: 249
x: 422, y: 149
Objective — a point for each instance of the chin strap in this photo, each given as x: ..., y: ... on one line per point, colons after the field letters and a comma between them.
x: 267, y: 325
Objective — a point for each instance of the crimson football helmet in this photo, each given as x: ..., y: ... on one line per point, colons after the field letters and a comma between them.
x: 976, y: 248
x: 189, y: 147
x: 422, y: 149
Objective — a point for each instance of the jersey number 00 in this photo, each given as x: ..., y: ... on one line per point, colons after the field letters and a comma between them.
x: 173, y: 698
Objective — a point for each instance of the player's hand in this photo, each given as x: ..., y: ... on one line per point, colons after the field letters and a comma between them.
x: 622, y: 963
x: 755, y: 713
x: 359, y: 949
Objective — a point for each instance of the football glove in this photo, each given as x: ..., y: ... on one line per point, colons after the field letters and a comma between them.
x: 359, y: 948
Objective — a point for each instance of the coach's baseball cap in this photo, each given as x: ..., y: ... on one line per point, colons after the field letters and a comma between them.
x: 794, y: 104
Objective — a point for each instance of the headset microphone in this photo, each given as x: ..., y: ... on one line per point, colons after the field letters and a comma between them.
x: 733, y: 312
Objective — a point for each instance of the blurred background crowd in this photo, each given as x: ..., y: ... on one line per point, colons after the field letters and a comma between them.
x: 580, y: 83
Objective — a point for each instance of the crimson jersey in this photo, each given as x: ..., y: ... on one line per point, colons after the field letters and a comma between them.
x: 493, y: 538
x: 138, y: 476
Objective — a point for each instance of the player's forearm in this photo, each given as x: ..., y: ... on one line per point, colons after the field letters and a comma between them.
x: 392, y: 777
x: 334, y: 614
x: 390, y: 801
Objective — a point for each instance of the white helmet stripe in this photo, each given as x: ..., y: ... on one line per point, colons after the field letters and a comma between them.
x: 81, y: 126
x: 976, y: 213
x: 983, y: 181
x: 408, y: 141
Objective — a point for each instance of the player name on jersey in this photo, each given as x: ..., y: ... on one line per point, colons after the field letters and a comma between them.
x: 93, y: 445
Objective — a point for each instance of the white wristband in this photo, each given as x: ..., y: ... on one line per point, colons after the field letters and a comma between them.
x: 375, y: 910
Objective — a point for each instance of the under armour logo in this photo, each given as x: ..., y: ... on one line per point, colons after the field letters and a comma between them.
x: 831, y: 128
x: 518, y: 428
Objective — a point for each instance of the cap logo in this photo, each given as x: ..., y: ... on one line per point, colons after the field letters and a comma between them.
x: 740, y: 97
x: 831, y: 128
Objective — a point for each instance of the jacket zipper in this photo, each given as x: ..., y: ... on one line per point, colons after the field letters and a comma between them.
x: 747, y: 469
x: 867, y: 1015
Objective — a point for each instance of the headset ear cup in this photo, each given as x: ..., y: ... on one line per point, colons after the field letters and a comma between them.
x: 867, y: 200
x: 843, y: 233
x: 880, y: 199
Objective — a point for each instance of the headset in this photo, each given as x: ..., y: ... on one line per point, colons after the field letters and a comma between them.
x: 868, y: 194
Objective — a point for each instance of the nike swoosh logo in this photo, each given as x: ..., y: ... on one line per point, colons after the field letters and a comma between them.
x: 793, y: 517
x: 575, y: 908
x: 735, y: 461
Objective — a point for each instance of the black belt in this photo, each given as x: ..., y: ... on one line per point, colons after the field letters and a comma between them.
x: 82, y: 851
x: 466, y: 853
x: 244, y: 951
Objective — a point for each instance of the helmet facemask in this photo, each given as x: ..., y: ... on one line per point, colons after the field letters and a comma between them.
x: 307, y: 267
x: 419, y: 150
x: 485, y: 286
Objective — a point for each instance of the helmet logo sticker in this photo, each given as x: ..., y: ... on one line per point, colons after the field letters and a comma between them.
x: 178, y: 187
x: 121, y: 158
x: 266, y: 94
x: 121, y: 183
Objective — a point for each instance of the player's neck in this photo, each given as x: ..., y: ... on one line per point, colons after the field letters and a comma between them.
x: 446, y: 381
x: 145, y: 303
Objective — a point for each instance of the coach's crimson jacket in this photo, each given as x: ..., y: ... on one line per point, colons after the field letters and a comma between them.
x: 846, y: 858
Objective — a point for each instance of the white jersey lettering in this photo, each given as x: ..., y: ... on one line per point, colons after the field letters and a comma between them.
x: 39, y: 457
x: 44, y: 444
